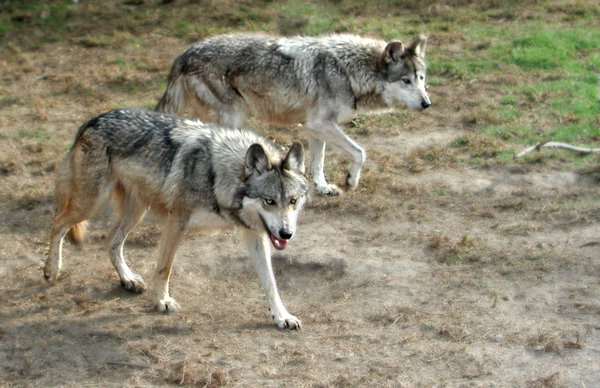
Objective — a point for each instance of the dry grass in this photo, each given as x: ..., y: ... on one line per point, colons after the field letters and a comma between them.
x: 554, y: 342
x: 190, y: 373
x: 452, y: 252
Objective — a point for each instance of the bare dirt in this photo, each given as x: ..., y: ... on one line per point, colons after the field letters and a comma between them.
x: 435, y: 272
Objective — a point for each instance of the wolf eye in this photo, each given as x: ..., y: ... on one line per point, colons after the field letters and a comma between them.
x: 406, y: 81
x: 293, y: 201
x: 269, y: 201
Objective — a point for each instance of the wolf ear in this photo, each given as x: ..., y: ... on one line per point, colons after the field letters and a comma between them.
x: 256, y: 161
x: 417, y: 46
x: 392, y: 53
x: 295, y: 158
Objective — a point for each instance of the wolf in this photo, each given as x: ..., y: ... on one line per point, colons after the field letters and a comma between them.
x: 188, y: 173
x: 319, y: 82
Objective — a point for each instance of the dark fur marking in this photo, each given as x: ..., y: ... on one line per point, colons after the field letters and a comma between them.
x: 132, y: 148
x: 320, y: 68
x: 235, y: 214
x: 125, y: 143
x: 168, y: 155
x: 211, y: 182
x: 189, y: 171
x: 190, y: 164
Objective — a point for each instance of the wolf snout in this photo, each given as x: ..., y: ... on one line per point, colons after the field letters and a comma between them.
x: 285, y: 234
x: 425, y: 104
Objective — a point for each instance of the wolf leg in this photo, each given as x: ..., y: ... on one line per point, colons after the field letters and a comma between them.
x: 75, y: 209
x: 130, y: 214
x: 171, y: 236
x: 61, y: 225
x: 260, y: 250
x: 317, y: 162
x: 330, y: 132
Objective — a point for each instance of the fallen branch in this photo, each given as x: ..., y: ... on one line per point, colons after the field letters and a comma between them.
x: 119, y: 363
x: 554, y: 144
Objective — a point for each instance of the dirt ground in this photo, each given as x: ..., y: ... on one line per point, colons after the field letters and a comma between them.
x: 435, y: 272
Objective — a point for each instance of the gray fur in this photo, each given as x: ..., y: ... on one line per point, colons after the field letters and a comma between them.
x: 190, y: 174
x: 318, y: 82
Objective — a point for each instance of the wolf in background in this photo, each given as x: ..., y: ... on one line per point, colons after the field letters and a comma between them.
x: 318, y: 82
x: 189, y: 174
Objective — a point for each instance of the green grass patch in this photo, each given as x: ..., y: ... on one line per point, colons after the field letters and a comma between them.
x: 117, y: 61
x: 551, y: 48
x: 537, y: 64
x: 556, y: 87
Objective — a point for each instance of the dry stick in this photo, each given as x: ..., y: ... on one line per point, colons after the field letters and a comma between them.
x: 119, y: 363
x: 553, y: 144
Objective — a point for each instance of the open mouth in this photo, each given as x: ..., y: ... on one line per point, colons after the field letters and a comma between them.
x: 278, y: 243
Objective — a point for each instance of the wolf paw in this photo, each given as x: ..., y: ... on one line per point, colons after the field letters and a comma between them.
x: 50, y: 278
x: 352, y: 181
x: 167, y: 305
x: 328, y: 190
x: 288, y: 322
x: 50, y: 275
x: 134, y: 284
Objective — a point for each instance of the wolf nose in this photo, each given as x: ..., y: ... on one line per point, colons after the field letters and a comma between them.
x: 285, y: 234
x: 425, y: 104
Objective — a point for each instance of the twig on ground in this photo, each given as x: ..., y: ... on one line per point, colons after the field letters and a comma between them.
x: 554, y: 144
x: 119, y: 363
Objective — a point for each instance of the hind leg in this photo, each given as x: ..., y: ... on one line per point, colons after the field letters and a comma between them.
x: 61, y: 225
x: 227, y: 115
x: 214, y: 102
x: 70, y: 215
x: 131, y: 212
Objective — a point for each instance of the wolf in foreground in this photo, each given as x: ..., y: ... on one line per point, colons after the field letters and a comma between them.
x: 318, y: 82
x: 189, y: 174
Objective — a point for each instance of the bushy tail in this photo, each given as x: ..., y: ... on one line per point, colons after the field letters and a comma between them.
x: 173, y: 100
x: 63, y: 202
x: 77, y: 233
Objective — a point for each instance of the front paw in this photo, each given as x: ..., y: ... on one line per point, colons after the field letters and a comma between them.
x: 288, y: 321
x: 167, y: 305
x: 328, y: 190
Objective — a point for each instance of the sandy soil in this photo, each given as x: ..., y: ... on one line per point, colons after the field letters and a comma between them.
x: 436, y: 272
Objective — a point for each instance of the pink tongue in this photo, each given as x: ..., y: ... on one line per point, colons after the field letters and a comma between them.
x: 278, y: 243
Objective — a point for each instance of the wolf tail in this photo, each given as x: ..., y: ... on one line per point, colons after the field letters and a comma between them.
x: 173, y: 100
x: 65, y: 191
x: 78, y: 231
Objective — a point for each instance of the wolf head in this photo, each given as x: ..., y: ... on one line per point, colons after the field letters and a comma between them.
x: 404, y: 70
x: 275, y: 192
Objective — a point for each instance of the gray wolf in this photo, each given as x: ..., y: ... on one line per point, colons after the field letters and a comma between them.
x: 191, y: 175
x: 319, y: 82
